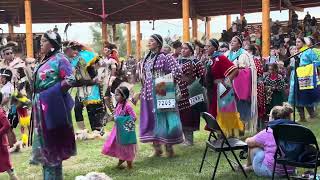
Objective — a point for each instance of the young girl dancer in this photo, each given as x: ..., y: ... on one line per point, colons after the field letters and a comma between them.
x: 5, y: 163
x: 113, y: 146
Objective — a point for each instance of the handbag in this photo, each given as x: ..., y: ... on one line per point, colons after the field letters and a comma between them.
x: 165, y: 92
x: 197, y: 98
x: 126, y: 133
x: 307, y: 77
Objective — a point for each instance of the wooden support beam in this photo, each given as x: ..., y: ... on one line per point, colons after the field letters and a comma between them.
x: 265, y: 28
x: 138, y: 41
x: 28, y: 21
x: 128, y: 29
x: 229, y: 23
x: 241, y: 16
x: 290, y: 16
x: 194, y: 28
x: 208, y: 27
x: 11, y: 30
x: 186, y: 17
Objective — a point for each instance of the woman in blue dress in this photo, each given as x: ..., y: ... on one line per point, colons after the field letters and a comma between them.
x: 307, y: 95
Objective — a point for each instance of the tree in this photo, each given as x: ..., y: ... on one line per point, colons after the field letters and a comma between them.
x: 120, y: 39
x: 96, y: 40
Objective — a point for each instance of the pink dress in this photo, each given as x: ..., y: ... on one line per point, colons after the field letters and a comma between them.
x: 111, y: 147
x: 5, y: 163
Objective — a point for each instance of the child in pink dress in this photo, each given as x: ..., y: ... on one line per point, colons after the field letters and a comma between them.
x: 112, y: 147
x: 5, y: 163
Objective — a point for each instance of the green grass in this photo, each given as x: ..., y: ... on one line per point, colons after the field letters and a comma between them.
x: 184, y: 166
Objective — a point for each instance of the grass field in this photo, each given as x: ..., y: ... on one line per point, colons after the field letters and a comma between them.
x: 184, y: 166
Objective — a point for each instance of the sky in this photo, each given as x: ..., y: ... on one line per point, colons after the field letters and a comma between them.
x: 81, y: 31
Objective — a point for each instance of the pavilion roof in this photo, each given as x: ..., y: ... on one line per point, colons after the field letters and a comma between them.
x: 118, y: 11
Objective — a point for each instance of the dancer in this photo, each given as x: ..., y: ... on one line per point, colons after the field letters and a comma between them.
x: 7, y: 90
x: 199, y: 51
x: 166, y: 49
x: 274, y: 86
x: 5, y: 163
x: 192, y: 70
x: 83, y: 59
x: 111, y: 65
x: 177, y: 47
x: 53, y: 139
x: 158, y: 126
x: 222, y: 101
x: 254, y: 52
x: 304, y: 94
x: 114, y: 145
x: 11, y: 62
x: 20, y: 84
x: 245, y: 84
x: 22, y: 104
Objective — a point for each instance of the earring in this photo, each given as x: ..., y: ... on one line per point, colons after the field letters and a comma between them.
x: 52, y: 49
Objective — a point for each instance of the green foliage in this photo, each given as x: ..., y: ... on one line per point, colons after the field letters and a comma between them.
x: 121, y: 41
x: 96, y: 40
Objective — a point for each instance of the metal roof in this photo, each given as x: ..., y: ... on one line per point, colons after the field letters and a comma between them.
x: 119, y: 11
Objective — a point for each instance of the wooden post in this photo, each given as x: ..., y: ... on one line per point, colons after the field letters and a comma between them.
x: 114, y: 33
x: 228, y: 22
x: 208, y: 27
x: 11, y: 30
x: 186, y: 16
x: 104, y: 31
x: 138, y: 39
x: 265, y: 28
x: 128, y: 27
x: 241, y: 17
x: 290, y: 16
x: 29, y: 35
x: 194, y: 28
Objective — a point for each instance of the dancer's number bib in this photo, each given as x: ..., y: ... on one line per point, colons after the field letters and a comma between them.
x: 165, y: 92
x: 166, y: 103
x: 196, y: 99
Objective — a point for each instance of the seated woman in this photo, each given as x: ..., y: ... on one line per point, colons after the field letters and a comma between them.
x: 262, y: 146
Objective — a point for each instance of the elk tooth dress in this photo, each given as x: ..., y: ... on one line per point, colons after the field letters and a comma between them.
x: 155, y: 126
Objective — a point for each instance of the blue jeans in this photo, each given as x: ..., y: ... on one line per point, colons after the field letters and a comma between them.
x: 259, y: 168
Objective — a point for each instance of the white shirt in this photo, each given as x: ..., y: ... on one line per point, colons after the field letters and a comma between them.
x: 7, y: 90
x: 107, y: 65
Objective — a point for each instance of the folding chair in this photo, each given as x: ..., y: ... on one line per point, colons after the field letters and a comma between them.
x: 221, y: 145
x: 298, y: 135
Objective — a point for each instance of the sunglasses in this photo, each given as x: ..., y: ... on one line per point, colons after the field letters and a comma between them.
x: 8, y: 53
